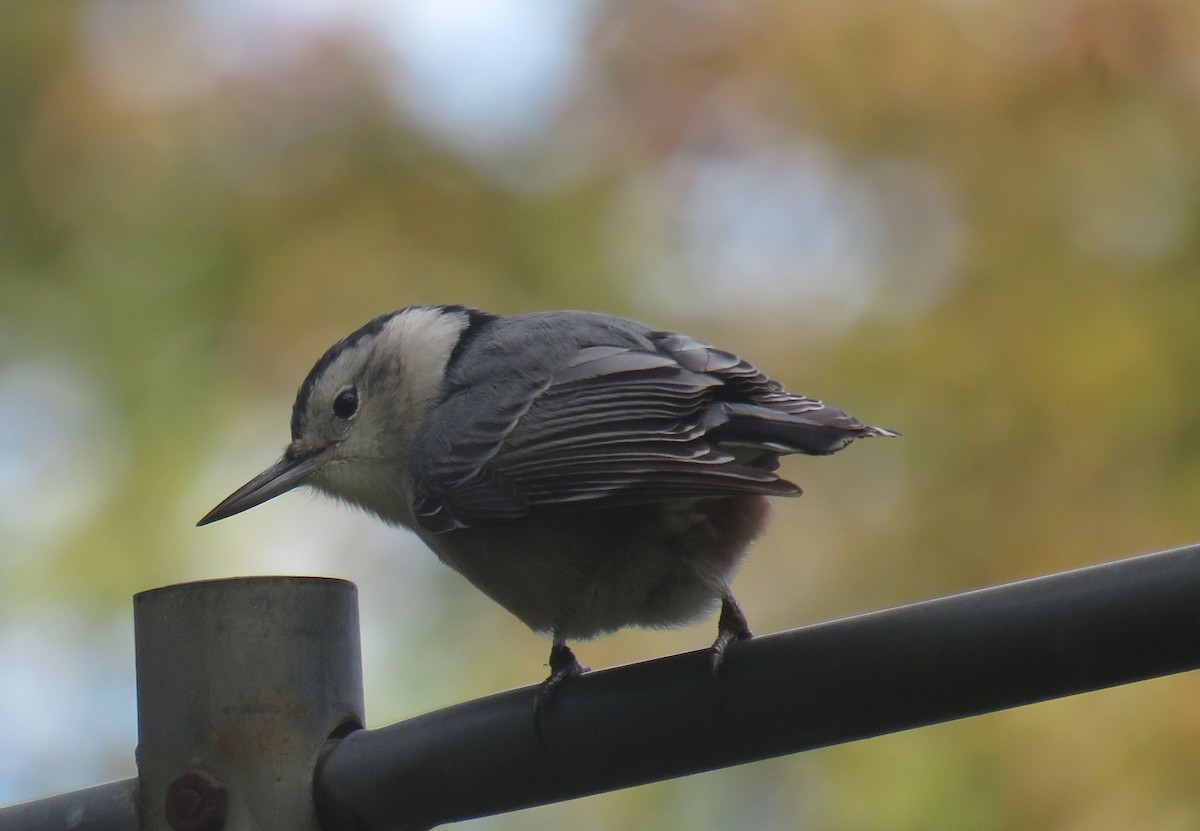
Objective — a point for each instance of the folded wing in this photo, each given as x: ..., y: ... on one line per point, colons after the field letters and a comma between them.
x: 648, y: 418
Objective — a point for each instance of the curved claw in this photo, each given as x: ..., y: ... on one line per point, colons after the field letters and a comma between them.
x: 731, y: 626
x: 563, y: 665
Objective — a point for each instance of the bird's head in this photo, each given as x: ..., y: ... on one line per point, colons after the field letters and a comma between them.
x: 357, y: 412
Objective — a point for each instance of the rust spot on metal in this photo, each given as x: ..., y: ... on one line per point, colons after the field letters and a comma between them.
x: 258, y: 725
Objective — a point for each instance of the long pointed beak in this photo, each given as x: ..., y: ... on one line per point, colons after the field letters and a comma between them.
x: 279, y: 478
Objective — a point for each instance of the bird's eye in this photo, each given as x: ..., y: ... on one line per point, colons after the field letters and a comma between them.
x: 346, y: 404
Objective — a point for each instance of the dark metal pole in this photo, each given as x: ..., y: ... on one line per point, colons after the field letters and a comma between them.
x: 240, y: 684
x: 111, y: 807
x: 834, y: 682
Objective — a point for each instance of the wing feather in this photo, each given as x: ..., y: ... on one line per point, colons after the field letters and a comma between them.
x: 620, y: 415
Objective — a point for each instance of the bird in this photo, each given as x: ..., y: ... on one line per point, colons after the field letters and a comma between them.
x: 585, y: 471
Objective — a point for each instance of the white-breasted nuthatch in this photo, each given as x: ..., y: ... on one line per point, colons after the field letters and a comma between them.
x: 584, y: 471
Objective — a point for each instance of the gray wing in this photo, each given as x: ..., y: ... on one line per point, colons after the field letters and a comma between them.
x: 605, y: 412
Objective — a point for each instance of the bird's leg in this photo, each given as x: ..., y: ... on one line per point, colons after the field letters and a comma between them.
x: 731, y: 626
x: 563, y: 665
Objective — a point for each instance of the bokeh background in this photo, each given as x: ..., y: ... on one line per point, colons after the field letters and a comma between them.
x: 975, y: 221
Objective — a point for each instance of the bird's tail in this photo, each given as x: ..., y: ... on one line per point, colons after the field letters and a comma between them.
x: 816, y: 432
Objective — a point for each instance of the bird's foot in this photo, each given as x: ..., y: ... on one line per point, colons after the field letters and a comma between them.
x: 731, y: 626
x: 563, y: 665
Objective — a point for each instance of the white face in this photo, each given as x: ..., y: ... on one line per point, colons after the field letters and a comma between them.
x: 357, y: 413
x: 343, y: 406
x: 363, y: 411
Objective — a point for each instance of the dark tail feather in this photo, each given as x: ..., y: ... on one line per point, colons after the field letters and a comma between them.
x: 817, y: 432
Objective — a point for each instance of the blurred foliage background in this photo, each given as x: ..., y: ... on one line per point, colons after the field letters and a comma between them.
x: 975, y: 222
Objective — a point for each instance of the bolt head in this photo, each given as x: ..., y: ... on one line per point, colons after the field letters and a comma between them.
x: 196, y: 801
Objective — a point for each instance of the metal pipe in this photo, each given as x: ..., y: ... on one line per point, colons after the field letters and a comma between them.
x: 240, y: 684
x: 110, y: 807
x: 833, y: 682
